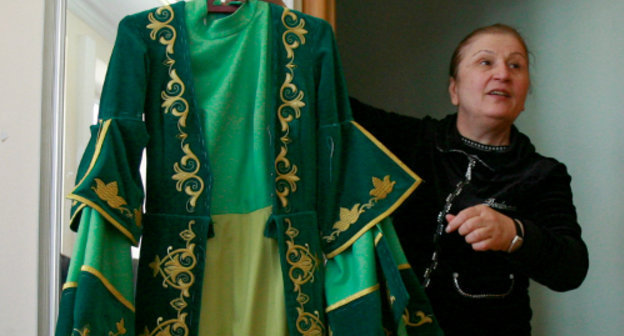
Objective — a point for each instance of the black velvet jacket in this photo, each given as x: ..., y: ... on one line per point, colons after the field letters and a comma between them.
x: 481, y: 293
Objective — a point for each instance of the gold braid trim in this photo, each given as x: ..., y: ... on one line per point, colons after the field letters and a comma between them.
x: 71, y: 284
x: 404, y: 267
x: 352, y: 298
x: 290, y: 109
x: 102, y: 133
x: 109, y: 286
x: 173, y: 102
x: 105, y: 214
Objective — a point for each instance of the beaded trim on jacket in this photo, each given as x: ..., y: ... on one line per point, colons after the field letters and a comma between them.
x: 480, y: 146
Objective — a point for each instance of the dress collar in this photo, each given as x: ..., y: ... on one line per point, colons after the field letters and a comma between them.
x: 217, y: 25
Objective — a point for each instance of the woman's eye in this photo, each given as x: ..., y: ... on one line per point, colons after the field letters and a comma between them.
x: 485, y: 62
x: 515, y: 65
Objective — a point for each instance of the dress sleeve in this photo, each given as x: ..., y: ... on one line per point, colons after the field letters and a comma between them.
x: 108, y: 178
x: 553, y: 252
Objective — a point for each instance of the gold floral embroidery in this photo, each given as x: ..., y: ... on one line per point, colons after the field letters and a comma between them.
x: 138, y: 217
x: 85, y: 331
x: 347, y: 217
x: 302, y: 263
x: 290, y: 109
x: 173, y: 102
x: 176, y: 269
x: 422, y: 319
x: 161, y: 28
x: 302, y: 267
x: 391, y: 298
x: 109, y: 192
x: 187, y: 178
x: 381, y: 188
x: 121, y: 329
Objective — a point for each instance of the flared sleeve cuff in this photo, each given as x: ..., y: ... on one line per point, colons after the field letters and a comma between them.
x: 108, y: 177
x: 369, y: 183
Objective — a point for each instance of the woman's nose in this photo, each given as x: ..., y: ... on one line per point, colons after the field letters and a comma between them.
x: 501, y: 71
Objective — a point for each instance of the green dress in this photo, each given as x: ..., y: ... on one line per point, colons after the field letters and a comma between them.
x: 242, y: 291
x: 254, y: 176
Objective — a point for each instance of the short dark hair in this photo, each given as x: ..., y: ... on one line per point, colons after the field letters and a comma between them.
x: 495, y: 28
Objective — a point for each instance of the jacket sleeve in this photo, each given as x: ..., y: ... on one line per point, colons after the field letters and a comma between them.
x: 98, y: 297
x: 553, y: 252
x: 108, y: 178
x: 360, y: 183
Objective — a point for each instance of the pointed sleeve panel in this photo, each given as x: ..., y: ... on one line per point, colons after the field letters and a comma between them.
x: 369, y: 181
x: 108, y: 178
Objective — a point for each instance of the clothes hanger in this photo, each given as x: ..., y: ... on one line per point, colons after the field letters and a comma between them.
x: 224, y: 7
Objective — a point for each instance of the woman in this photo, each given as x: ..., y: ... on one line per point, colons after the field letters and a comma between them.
x: 491, y: 213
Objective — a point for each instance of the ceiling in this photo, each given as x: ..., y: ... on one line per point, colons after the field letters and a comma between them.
x: 104, y: 16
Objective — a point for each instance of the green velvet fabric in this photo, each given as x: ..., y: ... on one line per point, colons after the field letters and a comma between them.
x: 332, y: 182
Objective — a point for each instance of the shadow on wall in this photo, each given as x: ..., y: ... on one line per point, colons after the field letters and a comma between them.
x: 396, y: 54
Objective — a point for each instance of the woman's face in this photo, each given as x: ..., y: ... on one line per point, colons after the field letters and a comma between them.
x: 492, y: 78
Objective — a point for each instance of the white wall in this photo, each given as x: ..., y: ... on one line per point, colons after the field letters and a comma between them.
x: 20, y: 126
x: 396, y: 54
x: 577, y: 117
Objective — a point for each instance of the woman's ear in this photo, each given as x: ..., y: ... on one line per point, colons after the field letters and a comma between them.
x: 453, y: 91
